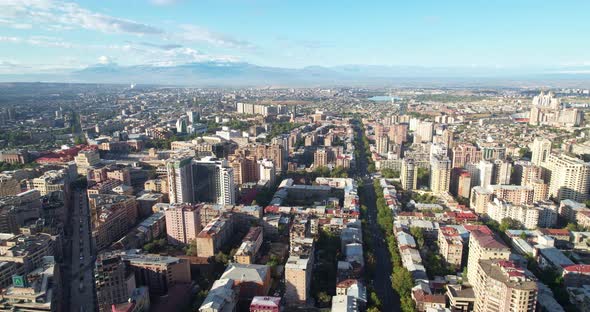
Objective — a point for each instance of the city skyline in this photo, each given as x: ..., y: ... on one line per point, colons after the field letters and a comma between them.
x: 49, y: 36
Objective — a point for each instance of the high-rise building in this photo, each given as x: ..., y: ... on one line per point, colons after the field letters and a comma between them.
x: 180, y: 180
x: 214, y: 181
x: 501, y: 285
x: 113, y: 282
x: 245, y: 169
x: 502, y: 171
x: 570, y: 177
x: 440, y: 174
x: 183, y: 223
x: 448, y: 138
x: 398, y: 133
x: 320, y: 158
x: 484, y: 246
x: 409, y: 174
x: 424, y: 132
x: 479, y: 199
x: 267, y: 171
x: 514, y: 194
x: 382, y: 144
x: 527, y: 173
x: 464, y: 154
x: 464, y: 184
x: 298, y: 273
x: 540, y: 151
x: 486, y: 173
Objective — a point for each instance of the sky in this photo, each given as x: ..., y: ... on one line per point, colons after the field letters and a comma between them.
x: 61, y: 35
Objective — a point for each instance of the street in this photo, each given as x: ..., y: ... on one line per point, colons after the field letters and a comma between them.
x: 382, y: 283
x: 82, y: 264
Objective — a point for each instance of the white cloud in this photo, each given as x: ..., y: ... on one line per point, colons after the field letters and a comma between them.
x: 39, y: 41
x: 67, y: 15
x: 103, y: 59
x: 194, y: 33
x: 160, y: 46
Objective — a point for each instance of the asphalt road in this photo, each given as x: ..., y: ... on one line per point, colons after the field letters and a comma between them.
x: 81, y: 262
x: 382, y: 283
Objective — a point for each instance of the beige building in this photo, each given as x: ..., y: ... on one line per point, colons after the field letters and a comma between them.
x: 483, y: 246
x: 51, y: 181
x: 214, y: 236
x: 501, y: 285
x: 570, y: 177
x: 440, y: 174
x: 409, y: 175
x: 450, y: 245
x: 298, y: 272
x: 480, y: 197
x: 183, y: 223
x: 8, y: 185
x: 112, y: 217
x: 250, y: 246
x: 156, y: 185
x: 540, y: 151
x: 515, y: 194
x: 85, y: 160
x: 382, y: 144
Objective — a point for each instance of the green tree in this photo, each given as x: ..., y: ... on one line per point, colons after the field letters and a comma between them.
x: 390, y: 173
x: 423, y: 177
x: 324, y: 299
x: 375, y: 300
x: 418, y: 234
x: 509, y: 224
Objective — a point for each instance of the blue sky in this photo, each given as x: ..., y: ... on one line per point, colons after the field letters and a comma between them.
x: 51, y: 35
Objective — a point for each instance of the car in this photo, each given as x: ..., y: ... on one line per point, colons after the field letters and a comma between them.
x: 81, y: 258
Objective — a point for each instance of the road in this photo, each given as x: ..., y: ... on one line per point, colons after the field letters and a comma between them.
x: 81, y: 266
x: 382, y: 283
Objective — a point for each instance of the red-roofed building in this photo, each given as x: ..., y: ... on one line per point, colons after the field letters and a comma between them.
x: 425, y: 301
x: 481, y: 228
x: 576, y: 275
x: 484, y: 246
x: 265, y: 304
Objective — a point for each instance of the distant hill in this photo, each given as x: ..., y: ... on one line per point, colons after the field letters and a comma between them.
x: 245, y: 74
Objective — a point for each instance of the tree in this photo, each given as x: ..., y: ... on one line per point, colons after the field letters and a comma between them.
x: 402, y: 281
x: 375, y: 300
x: 220, y: 257
x: 192, y: 248
x: 418, y: 234
x: 509, y: 224
x: 390, y: 173
x: 324, y: 299
x: 407, y: 304
x: 573, y: 227
x: 423, y: 177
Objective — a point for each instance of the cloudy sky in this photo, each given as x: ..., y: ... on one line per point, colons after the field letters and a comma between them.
x: 56, y: 35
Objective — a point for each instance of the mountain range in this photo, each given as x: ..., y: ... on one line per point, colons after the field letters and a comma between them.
x: 246, y: 74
